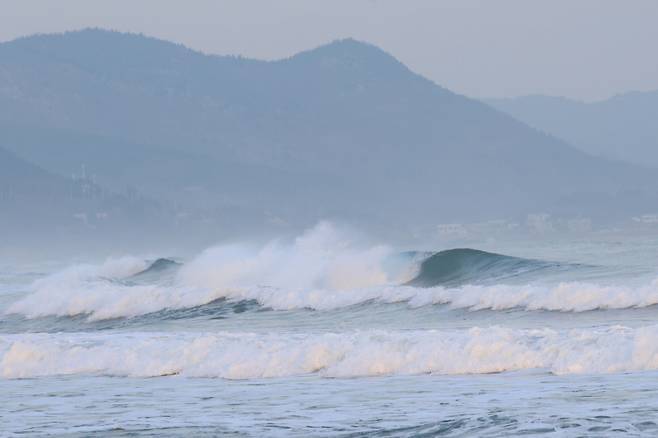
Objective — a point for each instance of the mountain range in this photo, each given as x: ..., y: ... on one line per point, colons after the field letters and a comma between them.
x: 343, y: 131
x: 621, y: 128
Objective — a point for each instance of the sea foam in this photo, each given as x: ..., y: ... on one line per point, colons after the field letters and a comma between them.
x: 101, y: 299
x: 361, y: 353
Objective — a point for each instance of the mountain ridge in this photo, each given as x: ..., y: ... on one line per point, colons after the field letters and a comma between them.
x: 341, y: 131
x: 620, y: 128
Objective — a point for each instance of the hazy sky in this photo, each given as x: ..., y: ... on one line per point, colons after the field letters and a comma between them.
x: 586, y: 49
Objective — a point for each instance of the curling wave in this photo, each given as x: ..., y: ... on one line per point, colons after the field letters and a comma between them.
x: 460, y: 266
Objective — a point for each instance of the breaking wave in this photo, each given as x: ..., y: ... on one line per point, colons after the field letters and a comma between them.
x: 362, y: 353
x: 323, y: 269
x: 106, y: 299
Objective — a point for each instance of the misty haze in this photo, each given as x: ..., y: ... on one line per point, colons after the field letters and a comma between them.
x: 334, y: 242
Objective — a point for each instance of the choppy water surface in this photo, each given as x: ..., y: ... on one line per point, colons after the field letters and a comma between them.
x: 322, y: 337
x: 474, y: 405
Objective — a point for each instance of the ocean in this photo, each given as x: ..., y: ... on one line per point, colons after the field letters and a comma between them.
x: 327, y: 335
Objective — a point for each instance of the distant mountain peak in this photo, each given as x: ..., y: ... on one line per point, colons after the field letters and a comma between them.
x: 95, y: 34
x: 349, y: 53
x: 94, y: 46
x: 350, y: 44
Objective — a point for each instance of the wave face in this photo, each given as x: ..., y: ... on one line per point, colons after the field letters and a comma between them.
x: 352, y: 354
x: 456, y: 267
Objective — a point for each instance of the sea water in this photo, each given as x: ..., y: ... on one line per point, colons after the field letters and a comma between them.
x: 326, y: 336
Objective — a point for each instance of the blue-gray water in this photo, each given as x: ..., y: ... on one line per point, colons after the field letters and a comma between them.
x: 314, y: 338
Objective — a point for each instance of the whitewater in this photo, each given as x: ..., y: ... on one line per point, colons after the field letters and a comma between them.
x: 327, y: 334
